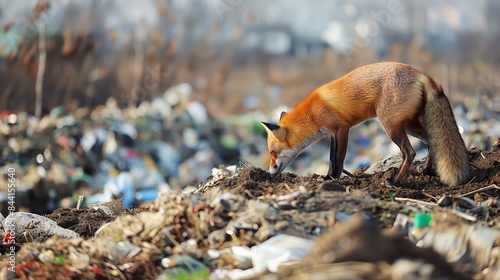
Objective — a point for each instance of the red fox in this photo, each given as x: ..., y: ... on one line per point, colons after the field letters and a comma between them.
x: 406, y: 101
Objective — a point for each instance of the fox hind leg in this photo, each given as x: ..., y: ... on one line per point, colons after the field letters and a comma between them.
x: 401, y: 139
x: 397, y: 133
x: 416, y: 129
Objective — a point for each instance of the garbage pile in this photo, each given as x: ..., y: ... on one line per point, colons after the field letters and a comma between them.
x: 245, y: 224
x: 169, y: 142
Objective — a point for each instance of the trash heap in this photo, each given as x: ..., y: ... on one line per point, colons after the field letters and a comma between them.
x: 245, y: 224
x: 169, y: 142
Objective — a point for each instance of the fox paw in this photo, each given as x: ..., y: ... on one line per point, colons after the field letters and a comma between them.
x: 328, y: 178
x: 426, y: 171
x: 389, y: 183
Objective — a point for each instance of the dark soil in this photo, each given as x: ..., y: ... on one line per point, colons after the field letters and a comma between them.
x: 85, y: 222
x: 254, y: 182
x: 485, y: 172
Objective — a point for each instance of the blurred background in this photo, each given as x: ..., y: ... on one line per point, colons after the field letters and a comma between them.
x: 162, y: 91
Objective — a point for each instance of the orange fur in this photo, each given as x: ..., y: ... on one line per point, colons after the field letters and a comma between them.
x: 406, y: 101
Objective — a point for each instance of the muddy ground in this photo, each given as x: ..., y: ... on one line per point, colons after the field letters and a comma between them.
x: 345, y: 195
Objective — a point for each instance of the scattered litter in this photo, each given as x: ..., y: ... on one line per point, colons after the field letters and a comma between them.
x: 280, y: 249
x: 30, y: 227
x: 384, y: 164
x: 360, y: 241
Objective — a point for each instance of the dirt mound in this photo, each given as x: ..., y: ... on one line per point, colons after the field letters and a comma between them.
x: 485, y: 171
x: 85, y: 222
x: 254, y: 182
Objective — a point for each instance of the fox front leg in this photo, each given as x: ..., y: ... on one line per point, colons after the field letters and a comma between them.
x: 338, y: 150
x: 333, y: 166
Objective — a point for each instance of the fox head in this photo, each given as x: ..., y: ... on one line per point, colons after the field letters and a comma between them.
x: 289, y: 138
x: 281, y: 153
x: 279, y: 148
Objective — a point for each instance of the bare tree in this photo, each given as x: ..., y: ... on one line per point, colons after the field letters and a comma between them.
x: 41, y: 70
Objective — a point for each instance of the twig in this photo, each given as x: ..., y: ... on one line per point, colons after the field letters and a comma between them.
x: 26, y: 233
x: 170, y: 236
x: 41, y: 71
x: 430, y: 196
x: 403, y: 199
x: 79, y: 202
x: 481, y: 189
x: 113, y: 267
x: 81, y: 222
x: 348, y: 173
x: 250, y: 195
x: 470, y: 181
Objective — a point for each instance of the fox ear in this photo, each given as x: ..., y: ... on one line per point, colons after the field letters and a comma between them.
x: 271, y: 127
x: 282, y: 114
x: 276, y: 130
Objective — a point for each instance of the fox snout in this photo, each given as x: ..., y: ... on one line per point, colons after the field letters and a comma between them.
x: 275, y: 169
x: 282, y: 161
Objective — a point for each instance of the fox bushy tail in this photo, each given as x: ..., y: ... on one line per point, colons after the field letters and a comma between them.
x: 446, y: 145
